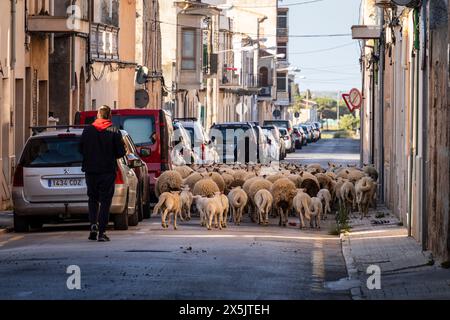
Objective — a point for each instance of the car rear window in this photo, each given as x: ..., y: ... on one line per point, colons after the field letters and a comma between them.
x: 52, y: 152
x: 282, y: 124
x: 140, y: 129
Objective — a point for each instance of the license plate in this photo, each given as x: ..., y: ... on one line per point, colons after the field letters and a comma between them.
x: 63, y: 183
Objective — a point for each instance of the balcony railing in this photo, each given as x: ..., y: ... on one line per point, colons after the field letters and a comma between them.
x: 229, y: 78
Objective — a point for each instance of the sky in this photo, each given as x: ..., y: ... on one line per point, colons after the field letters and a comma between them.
x: 334, y: 69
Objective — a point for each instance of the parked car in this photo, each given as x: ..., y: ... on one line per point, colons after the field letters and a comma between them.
x: 201, y: 144
x: 235, y: 142
x: 288, y: 140
x: 299, y: 137
x: 182, y: 152
x: 273, y: 145
x: 286, y: 124
x: 151, y: 131
x: 276, y: 133
x: 314, y: 132
x: 309, y: 137
x: 49, y: 186
x: 262, y: 152
x: 318, y: 127
x: 143, y: 188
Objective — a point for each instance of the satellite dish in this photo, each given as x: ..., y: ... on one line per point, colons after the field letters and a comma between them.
x: 141, y: 75
x: 141, y: 98
x: 407, y: 3
x: 276, y: 113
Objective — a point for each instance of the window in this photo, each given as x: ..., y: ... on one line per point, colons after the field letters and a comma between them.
x: 281, y: 82
x: 282, y: 20
x: 188, y: 50
x: 52, y: 152
x: 264, y: 77
x: 140, y: 129
x: 282, y: 49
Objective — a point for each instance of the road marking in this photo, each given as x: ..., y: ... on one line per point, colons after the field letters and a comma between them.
x: 11, y: 240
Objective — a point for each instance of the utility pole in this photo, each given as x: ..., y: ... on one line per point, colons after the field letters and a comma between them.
x: 337, y: 108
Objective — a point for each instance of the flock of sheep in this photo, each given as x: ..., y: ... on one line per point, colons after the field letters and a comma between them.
x: 311, y: 192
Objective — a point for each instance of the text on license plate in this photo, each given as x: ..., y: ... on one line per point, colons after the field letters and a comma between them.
x: 61, y: 183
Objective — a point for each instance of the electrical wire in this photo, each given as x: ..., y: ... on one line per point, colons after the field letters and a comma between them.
x: 324, y: 50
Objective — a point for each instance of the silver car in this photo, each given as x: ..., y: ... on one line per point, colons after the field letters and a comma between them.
x: 49, y: 185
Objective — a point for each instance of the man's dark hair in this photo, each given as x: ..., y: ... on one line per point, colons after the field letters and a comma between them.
x: 104, y: 112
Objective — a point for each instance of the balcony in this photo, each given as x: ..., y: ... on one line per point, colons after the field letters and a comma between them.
x: 51, y: 24
x: 229, y: 79
x: 104, y: 42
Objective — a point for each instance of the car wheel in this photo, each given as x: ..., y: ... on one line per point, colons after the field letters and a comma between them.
x: 21, y: 224
x: 121, y: 220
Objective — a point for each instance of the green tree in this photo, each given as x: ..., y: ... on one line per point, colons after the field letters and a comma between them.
x: 349, y: 122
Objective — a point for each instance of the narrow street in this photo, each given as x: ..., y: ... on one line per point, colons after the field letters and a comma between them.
x: 146, y: 262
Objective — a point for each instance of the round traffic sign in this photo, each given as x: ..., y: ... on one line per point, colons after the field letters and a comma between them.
x: 276, y: 113
x: 355, y: 98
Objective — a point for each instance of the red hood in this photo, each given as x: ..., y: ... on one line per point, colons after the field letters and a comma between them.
x: 102, y: 124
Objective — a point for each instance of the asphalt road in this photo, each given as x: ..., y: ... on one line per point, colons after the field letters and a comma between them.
x: 146, y: 262
x: 339, y: 151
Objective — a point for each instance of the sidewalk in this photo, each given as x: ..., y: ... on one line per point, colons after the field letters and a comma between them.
x: 406, y: 271
x: 6, y: 221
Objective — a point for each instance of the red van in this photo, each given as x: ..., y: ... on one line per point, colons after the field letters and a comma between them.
x: 151, y: 131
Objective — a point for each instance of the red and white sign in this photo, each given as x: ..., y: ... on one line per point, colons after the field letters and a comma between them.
x: 353, y: 100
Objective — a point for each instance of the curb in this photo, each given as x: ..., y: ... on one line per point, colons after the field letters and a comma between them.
x: 352, y: 271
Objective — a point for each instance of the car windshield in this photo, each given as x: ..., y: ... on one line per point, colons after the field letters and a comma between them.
x: 52, y: 152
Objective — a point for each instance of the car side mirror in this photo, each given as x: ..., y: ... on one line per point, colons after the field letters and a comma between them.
x: 145, y: 152
x: 133, y: 161
x: 213, y: 139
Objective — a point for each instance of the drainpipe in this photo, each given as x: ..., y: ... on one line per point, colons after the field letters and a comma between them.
x: 424, y: 126
x: 381, y: 109
x: 12, y: 62
x: 72, y: 54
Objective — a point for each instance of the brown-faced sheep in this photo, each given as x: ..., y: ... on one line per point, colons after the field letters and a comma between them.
x: 283, y: 192
x: 206, y: 187
x: 355, y: 175
x: 168, y: 181
x: 310, y: 183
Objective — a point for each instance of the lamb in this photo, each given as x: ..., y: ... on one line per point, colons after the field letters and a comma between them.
x: 325, y: 196
x: 237, y: 200
x: 225, y: 209
x: 325, y: 181
x: 206, y: 188
x: 170, y: 205
x: 168, y: 181
x: 239, y: 177
x: 302, y: 202
x: 210, y: 208
x: 186, y: 198
x: 228, y: 179
x: 348, y: 196
x: 364, y: 195
x: 263, y: 201
x: 259, y: 185
x: 283, y: 192
x: 316, y: 212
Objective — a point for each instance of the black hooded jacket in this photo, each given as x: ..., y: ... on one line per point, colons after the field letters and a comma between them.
x: 101, y: 147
